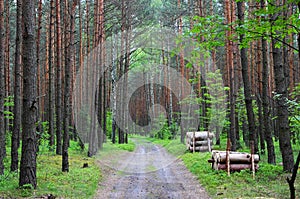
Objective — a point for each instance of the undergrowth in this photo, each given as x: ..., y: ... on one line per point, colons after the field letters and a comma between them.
x: 79, y: 182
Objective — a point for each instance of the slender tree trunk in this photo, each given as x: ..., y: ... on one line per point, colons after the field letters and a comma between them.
x: 102, y: 72
x: 51, y: 105
x: 38, y: 38
x: 58, y: 100
x: 7, y: 62
x: 282, y: 84
x: 230, y: 69
x: 261, y: 122
x: 29, y: 142
x: 2, y: 89
x: 114, y: 95
x: 265, y: 101
x: 181, y: 65
x: 69, y: 53
x: 15, y: 138
x: 247, y: 85
x: 80, y: 56
x: 67, y: 85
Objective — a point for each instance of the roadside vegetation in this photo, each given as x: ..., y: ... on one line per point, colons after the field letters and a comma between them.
x: 270, y: 180
x: 79, y: 182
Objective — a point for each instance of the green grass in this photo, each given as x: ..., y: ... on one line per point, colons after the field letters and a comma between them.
x: 77, y: 183
x: 109, y: 146
x: 175, y: 147
x: 269, y: 182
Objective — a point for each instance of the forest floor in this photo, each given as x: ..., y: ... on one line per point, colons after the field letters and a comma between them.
x: 148, y: 172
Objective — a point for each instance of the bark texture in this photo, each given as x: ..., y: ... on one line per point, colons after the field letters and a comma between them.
x: 247, y: 84
x: 2, y: 89
x: 28, y: 157
x: 282, y: 84
x: 15, y: 138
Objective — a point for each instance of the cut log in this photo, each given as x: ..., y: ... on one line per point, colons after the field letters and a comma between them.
x: 200, y: 135
x: 235, y: 167
x: 236, y: 157
x: 199, y: 148
x: 237, y: 160
x: 201, y: 143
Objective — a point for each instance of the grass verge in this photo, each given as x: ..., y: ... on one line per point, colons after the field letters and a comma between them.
x: 77, y: 183
x: 269, y: 182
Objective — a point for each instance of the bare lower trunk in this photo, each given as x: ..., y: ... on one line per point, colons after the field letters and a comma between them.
x: 2, y: 89
x: 28, y: 157
x: 282, y: 84
x: 58, y: 100
x: 51, y: 105
x: 247, y: 86
x: 15, y: 138
x: 265, y: 102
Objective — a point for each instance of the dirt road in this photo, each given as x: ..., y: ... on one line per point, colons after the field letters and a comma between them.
x: 149, y: 172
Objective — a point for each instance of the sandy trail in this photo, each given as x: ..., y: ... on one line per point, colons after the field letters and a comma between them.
x: 149, y: 172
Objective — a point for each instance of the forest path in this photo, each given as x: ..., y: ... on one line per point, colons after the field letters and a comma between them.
x: 148, y: 172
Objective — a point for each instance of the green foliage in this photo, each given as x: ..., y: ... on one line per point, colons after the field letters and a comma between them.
x: 44, y: 136
x: 109, y: 147
x: 127, y: 147
x: 212, y: 28
x: 264, y: 22
x: 163, y: 130
x: 294, y: 111
x: 268, y: 23
x: 9, y: 101
x: 108, y: 124
x: 8, y: 104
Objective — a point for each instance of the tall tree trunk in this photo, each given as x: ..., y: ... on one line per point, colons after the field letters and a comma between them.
x: 102, y: 73
x: 265, y: 98
x: 230, y: 69
x: 282, y: 84
x: 80, y: 56
x: 67, y: 83
x: 7, y: 62
x: 29, y: 142
x: 247, y: 85
x: 259, y: 94
x: 38, y: 38
x: 69, y: 55
x: 51, y: 105
x: 15, y: 138
x: 58, y: 100
x: 265, y: 102
x: 2, y: 89
x: 181, y: 65
x: 114, y: 95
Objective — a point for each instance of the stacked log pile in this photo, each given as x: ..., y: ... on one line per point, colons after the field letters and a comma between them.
x: 236, y: 161
x: 199, y: 141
